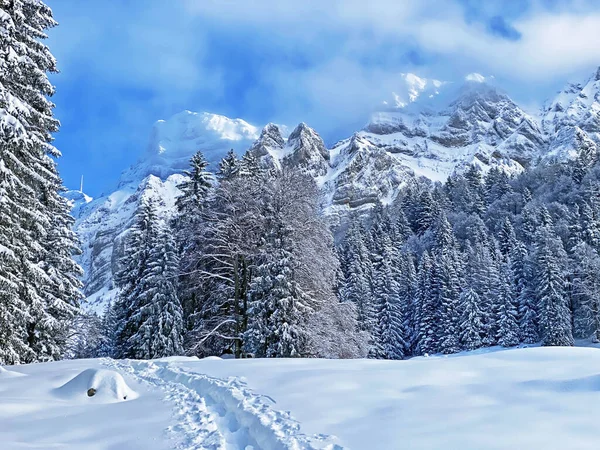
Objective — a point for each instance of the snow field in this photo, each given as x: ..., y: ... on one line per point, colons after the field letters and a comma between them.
x: 488, y: 399
x: 526, y: 398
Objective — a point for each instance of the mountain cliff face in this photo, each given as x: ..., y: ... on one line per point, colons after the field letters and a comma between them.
x: 434, y: 133
x: 428, y: 129
x: 572, y: 120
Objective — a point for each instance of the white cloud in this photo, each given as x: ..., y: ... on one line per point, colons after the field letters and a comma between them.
x: 559, y: 41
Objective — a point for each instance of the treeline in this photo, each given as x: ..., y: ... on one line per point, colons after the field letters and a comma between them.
x: 479, y: 261
x: 247, y: 267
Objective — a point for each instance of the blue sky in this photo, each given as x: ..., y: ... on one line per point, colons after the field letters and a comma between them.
x: 126, y: 63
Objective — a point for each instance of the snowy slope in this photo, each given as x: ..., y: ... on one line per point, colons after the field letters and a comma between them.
x: 102, y: 224
x: 572, y: 119
x: 524, y: 398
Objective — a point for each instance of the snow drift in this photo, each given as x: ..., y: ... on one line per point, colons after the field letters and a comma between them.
x: 98, y: 385
x: 5, y: 373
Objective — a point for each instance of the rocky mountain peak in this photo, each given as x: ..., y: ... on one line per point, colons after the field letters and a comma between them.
x: 270, y: 140
x: 307, y: 151
x: 572, y: 119
x: 304, y: 139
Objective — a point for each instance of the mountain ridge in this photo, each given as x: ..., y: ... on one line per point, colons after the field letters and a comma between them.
x: 437, y: 128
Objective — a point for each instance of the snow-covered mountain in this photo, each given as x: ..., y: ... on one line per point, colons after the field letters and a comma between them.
x: 173, y: 141
x: 101, y: 223
x: 303, y: 149
x: 432, y: 136
x: 428, y: 129
x: 572, y: 120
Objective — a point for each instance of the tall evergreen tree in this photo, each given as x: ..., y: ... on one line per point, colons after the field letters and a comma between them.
x: 148, y: 312
x: 447, y: 268
x: 550, y: 287
x: 507, y: 237
x: 357, y: 287
x: 507, y: 334
x: 428, y: 309
x: 194, y: 192
x: 471, y: 327
x: 522, y: 285
x: 390, y: 333
x: 158, y: 310
x: 188, y: 225
x: 585, y: 263
x: 229, y: 166
x: 39, y: 282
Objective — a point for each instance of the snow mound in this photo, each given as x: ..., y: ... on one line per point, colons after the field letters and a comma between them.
x: 98, y: 385
x: 5, y: 373
x: 177, y: 359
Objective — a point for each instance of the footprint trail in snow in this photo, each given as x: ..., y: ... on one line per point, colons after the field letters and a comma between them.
x: 216, y: 414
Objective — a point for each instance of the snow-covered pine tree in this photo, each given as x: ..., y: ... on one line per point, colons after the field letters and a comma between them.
x: 476, y: 189
x: 39, y: 287
x: 585, y: 267
x: 188, y: 225
x: 447, y: 284
x: 382, y: 233
x: 471, y: 327
x: 507, y: 333
x: 407, y: 294
x: 529, y: 225
x: 550, y: 288
x: 496, y: 185
x: 194, y: 192
x: 357, y: 287
x: 425, y: 212
x: 428, y: 308
x: 403, y: 231
x: 278, y: 305
x: 158, y: 310
x: 139, y: 242
x: 108, y: 328
x: 590, y: 225
x: 229, y: 166
x: 523, y: 285
x: 482, y: 276
x: 507, y: 237
x: 447, y: 269
x: 390, y: 334
x: 250, y: 166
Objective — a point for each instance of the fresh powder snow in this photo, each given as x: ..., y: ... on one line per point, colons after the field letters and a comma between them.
x: 492, y: 399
